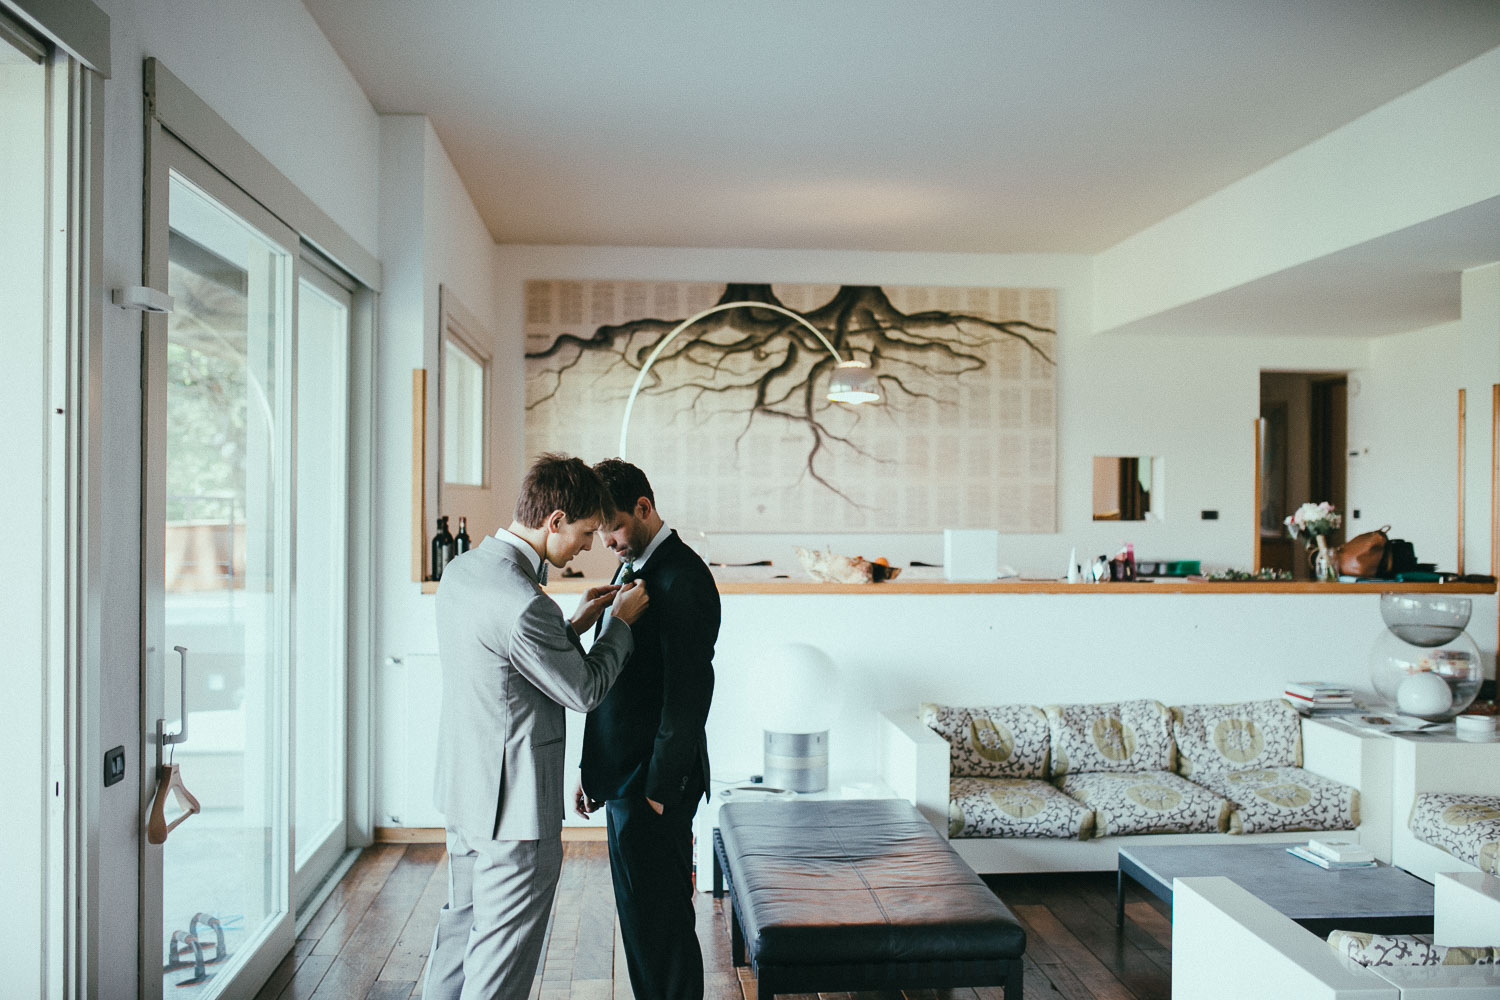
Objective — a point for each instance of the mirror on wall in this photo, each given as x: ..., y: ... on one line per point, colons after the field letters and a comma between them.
x: 1124, y: 488
x: 451, y: 439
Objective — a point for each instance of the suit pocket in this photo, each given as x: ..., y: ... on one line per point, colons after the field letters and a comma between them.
x: 549, y: 741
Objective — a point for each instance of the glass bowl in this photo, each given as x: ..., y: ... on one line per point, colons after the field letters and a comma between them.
x: 1425, y: 619
x: 1456, y: 662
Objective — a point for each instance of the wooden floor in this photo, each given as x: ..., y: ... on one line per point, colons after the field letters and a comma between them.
x: 369, y: 941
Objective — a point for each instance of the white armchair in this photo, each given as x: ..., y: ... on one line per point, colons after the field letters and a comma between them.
x: 1435, y: 764
x: 1227, y: 944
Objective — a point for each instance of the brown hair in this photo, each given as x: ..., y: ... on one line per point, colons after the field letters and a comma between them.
x: 558, y: 482
x: 626, y: 483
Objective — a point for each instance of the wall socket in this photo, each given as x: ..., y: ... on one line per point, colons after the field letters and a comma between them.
x: 1209, y: 515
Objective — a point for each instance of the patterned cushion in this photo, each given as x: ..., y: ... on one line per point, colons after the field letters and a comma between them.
x: 1147, y: 802
x: 1275, y: 799
x: 1115, y: 736
x: 1405, y: 949
x: 1002, y: 741
x: 1219, y: 738
x: 1466, y: 826
x: 1015, y: 807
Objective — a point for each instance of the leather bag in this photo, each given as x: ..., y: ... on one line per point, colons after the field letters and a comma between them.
x: 1364, y: 555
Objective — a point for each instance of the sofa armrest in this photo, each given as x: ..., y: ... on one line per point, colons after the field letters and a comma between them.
x: 1466, y: 909
x: 914, y: 763
x: 1228, y: 944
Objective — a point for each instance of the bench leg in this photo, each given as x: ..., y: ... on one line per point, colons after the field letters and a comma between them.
x: 1013, y: 980
x: 1119, y: 900
x: 718, y: 877
x: 736, y: 937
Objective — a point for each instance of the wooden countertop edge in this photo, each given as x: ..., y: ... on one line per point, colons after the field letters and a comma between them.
x: 803, y: 586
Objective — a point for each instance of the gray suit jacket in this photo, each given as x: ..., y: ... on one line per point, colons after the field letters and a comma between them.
x: 511, y: 663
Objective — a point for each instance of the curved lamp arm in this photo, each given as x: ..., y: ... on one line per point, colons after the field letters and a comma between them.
x: 722, y: 306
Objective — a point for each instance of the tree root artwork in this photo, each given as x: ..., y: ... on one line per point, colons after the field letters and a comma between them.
x: 747, y: 375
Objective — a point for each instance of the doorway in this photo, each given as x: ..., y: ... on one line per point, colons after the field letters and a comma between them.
x: 245, y: 583
x: 1304, y: 418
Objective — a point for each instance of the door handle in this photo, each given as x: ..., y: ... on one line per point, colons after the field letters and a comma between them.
x: 164, y: 739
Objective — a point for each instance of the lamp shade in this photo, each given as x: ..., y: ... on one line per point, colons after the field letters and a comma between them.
x: 853, y: 382
x: 798, y: 689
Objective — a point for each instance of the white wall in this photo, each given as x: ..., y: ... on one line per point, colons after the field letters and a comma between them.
x: 1403, y: 422
x: 268, y: 70
x: 432, y: 237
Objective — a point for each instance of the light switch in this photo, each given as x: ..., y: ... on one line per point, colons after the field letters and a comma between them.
x: 114, y: 766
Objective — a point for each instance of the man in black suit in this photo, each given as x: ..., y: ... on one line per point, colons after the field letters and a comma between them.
x: 645, y: 754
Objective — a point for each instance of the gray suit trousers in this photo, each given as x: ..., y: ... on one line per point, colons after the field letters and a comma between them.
x: 489, y: 936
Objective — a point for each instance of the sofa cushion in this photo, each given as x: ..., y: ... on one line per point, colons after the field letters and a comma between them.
x: 1466, y: 826
x: 1405, y: 949
x: 1277, y: 799
x: 1222, y: 738
x: 1000, y: 741
x: 1113, y: 736
x: 1015, y: 807
x: 1147, y: 802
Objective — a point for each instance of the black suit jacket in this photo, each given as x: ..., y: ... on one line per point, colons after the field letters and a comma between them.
x: 647, y: 736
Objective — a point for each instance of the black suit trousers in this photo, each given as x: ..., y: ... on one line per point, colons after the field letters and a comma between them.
x: 651, y: 862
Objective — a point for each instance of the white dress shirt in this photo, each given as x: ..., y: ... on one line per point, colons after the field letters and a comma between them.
x: 661, y: 534
x: 505, y: 535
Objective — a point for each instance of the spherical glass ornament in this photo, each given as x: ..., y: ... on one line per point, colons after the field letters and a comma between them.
x: 1456, y: 662
x: 1425, y: 619
x: 1426, y: 695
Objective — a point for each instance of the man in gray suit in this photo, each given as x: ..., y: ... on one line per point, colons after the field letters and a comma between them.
x: 511, y: 664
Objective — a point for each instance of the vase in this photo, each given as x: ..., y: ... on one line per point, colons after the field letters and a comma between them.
x: 1424, y: 663
x: 1323, y: 568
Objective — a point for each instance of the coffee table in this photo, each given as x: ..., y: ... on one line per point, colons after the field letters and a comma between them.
x: 1382, y: 899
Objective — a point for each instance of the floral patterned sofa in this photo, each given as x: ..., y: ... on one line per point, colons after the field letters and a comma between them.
x: 1062, y: 787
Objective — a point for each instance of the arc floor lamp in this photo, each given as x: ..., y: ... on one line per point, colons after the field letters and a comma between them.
x: 852, y: 381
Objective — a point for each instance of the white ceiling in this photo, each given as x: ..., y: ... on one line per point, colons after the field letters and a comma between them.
x: 983, y: 126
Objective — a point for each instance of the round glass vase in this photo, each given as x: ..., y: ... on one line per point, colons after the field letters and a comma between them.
x: 1425, y: 642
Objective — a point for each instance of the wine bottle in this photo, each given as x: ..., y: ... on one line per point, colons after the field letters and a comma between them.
x: 461, y: 540
x: 442, y: 549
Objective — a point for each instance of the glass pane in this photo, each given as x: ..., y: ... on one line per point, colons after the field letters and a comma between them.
x: 225, y: 579
x: 463, y: 417
x: 318, y: 603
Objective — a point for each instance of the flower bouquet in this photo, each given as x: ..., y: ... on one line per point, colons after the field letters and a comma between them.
x: 1312, y: 522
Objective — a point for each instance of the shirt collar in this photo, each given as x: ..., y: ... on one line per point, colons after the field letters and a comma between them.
x: 661, y: 535
x: 532, y: 559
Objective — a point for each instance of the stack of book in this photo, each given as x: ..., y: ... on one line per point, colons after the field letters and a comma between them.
x: 1334, y: 854
x: 1319, y: 696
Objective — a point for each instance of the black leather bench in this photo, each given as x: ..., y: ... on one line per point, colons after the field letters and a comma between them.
x: 848, y: 895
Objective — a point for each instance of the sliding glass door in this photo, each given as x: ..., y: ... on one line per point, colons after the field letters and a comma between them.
x: 319, y: 610
x: 244, y: 583
x: 218, y: 509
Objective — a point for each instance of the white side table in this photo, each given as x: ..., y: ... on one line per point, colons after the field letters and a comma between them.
x: 1466, y: 909
x: 859, y: 785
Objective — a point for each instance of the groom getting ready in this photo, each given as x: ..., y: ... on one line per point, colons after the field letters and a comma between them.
x: 645, y: 754
x: 511, y: 664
